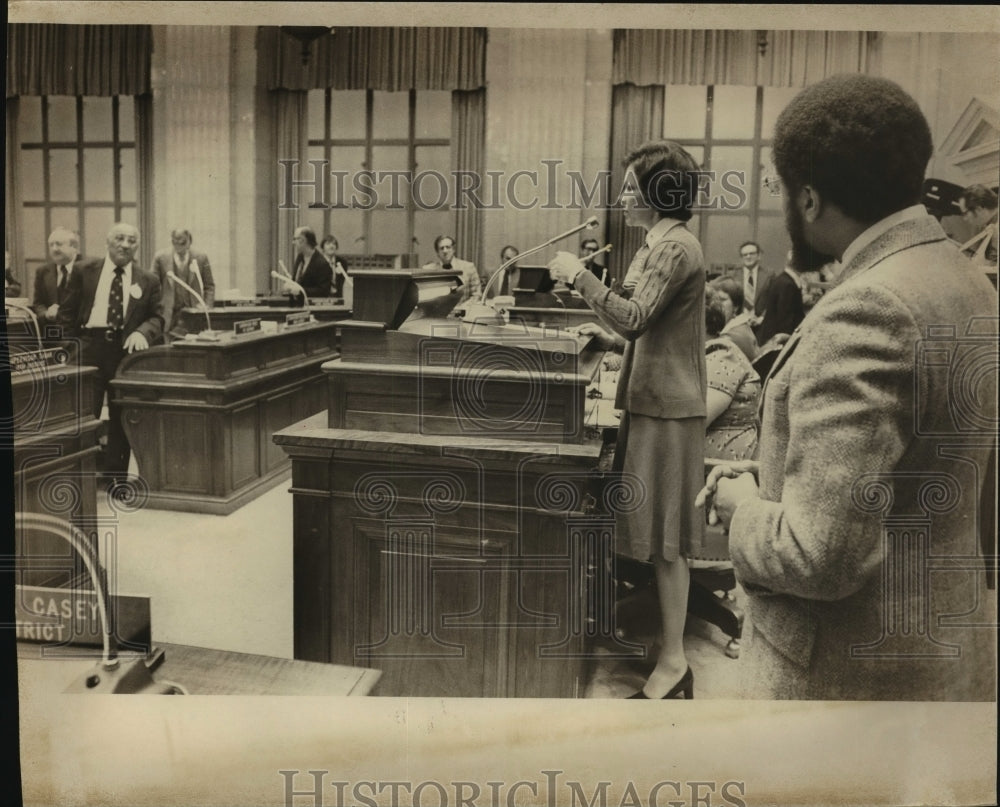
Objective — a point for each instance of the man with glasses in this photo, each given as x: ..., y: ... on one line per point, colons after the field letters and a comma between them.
x: 756, y: 280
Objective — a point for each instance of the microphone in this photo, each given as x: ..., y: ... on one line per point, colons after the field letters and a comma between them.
x: 34, y: 319
x: 589, y: 224
x: 208, y: 333
x: 294, y: 286
x: 109, y: 676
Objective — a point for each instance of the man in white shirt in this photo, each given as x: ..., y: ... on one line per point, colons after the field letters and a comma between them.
x: 52, y: 280
x: 113, y: 306
x: 756, y: 280
x: 444, y: 245
x: 878, y: 427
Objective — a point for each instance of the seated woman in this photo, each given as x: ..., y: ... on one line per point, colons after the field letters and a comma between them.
x: 738, y: 323
x: 733, y: 389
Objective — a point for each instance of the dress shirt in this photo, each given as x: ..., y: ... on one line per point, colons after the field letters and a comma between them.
x: 99, y: 313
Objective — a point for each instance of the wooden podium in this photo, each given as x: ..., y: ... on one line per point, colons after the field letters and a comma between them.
x: 200, y: 414
x: 444, y: 509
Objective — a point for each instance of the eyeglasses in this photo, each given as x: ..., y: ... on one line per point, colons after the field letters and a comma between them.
x: 772, y: 184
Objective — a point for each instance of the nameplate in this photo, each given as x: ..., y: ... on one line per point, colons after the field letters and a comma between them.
x: 298, y: 318
x: 70, y: 616
x: 246, y: 326
x: 31, y: 361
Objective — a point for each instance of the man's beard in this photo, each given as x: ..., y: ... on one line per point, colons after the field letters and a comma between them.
x: 804, y: 257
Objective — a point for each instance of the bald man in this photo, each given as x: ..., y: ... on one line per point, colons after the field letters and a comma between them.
x: 114, y: 307
x: 52, y: 280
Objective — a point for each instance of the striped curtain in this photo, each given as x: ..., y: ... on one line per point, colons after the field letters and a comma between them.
x: 791, y: 58
x: 103, y: 60
x: 375, y: 59
x: 636, y: 116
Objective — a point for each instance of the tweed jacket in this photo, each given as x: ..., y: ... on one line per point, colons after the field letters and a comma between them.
x: 143, y: 310
x: 860, y: 555
x: 663, y: 324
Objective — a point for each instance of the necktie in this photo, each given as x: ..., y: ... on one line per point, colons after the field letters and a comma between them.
x: 63, y: 274
x: 115, y: 318
x: 447, y: 267
x: 505, y: 286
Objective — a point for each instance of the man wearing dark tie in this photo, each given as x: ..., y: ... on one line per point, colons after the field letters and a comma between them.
x: 191, y: 267
x: 588, y: 247
x: 512, y: 274
x: 113, y: 306
x: 52, y: 281
x: 755, y: 278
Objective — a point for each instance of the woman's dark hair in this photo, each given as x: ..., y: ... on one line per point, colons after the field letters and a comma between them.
x: 731, y: 288
x: 667, y: 177
x: 860, y: 141
x: 330, y: 239
x: 715, y: 311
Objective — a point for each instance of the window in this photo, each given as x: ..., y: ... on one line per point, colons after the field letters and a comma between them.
x: 78, y: 170
x: 728, y: 130
x: 398, y: 136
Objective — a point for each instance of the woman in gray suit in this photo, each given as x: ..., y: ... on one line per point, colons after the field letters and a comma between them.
x: 661, y: 330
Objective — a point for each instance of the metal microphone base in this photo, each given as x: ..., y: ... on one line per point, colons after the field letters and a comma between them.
x: 482, y: 314
x: 132, y: 677
x: 209, y: 335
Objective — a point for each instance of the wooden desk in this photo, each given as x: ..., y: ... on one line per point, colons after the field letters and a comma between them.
x: 203, y: 671
x: 200, y: 415
x: 223, y: 316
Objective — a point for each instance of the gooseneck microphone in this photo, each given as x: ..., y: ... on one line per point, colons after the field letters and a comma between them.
x: 294, y: 286
x: 174, y: 279
x: 589, y: 224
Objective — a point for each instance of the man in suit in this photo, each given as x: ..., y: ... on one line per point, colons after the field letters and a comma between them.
x: 311, y: 270
x: 979, y: 207
x: 756, y: 280
x: 52, y: 281
x: 113, y: 306
x: 859, y: 551
x: 191, y: 267
x: 444, y: 245
x: 783, y: 306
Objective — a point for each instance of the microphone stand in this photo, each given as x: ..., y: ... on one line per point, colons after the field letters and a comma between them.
x: 208, y: 334
x: 109, y: 676
x: 34, y: 320
x: 482, y: 309
x: 295, y: 286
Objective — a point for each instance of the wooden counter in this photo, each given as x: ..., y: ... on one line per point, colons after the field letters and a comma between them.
x: 200, y: 415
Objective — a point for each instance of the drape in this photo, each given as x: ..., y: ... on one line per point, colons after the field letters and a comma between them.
x: 12, y: 196
x: 636, y: 116
x: 375, y: 59
x: 143, y: 117
x: 291, y: 143
x: 468, y: 154
x: 45, y: 59
x: 791, y: 58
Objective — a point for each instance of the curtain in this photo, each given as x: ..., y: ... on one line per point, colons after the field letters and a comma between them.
x: 103, y: 60
x: 143, y: 115
x: 636, y: 116
x: 291, y: 141
x: 791, y: 58
x: 468, y: 153
x: 12, y: 196
x: 375, y: 59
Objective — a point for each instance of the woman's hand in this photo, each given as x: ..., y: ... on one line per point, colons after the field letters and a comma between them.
x: 603, y: 339
x: 565, y: 266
